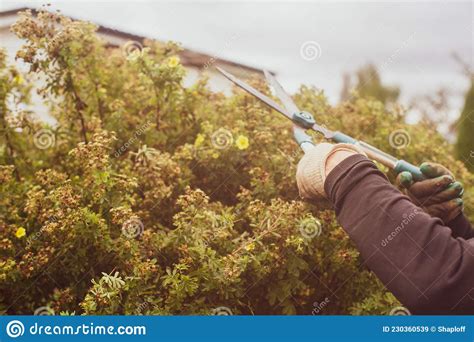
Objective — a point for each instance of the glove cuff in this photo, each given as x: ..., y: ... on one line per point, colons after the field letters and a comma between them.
x: 312, y: 169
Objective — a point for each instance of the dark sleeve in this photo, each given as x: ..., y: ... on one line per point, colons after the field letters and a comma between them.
x: 412, y: 253
x: 461, y: 227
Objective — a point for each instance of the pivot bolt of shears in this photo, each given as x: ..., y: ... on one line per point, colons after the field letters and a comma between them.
x: 304, y: 119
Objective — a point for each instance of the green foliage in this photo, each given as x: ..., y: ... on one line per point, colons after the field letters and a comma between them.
x: 369, y: 85
x: 465, y: 140
x: 152, y: 198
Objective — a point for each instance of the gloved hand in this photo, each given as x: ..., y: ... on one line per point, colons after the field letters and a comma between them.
x: 439, y: 195
x: 317, y: 163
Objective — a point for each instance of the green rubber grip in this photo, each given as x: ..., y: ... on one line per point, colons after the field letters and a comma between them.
x: 403, y: 165
x: 400, y: 166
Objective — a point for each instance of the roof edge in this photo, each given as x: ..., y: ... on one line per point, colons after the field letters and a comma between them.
x: 111, y: 31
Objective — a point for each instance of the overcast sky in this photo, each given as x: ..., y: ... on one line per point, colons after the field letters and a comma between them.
x: 412, y: 40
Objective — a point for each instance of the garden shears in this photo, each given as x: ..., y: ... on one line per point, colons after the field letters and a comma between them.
x: 303, y: 121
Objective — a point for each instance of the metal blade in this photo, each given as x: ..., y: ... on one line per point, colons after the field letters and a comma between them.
x: 268, y: 101
x: 289, y: 104
x: 281, y: 93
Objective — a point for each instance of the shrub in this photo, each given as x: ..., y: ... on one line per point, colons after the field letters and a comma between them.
x: 152, y: 198
x: 465, y: 140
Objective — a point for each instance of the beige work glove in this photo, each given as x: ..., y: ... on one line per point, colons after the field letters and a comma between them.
x: 311, y: 172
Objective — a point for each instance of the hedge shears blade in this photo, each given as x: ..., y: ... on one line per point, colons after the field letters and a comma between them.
x: 299, y: 133
x: 303, y: 121
x: 281, y: 93
x: 268, y: 101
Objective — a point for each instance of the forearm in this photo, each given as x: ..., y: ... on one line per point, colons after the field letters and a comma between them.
x: 413, y: 254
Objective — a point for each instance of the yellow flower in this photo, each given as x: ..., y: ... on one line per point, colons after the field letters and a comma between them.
x: 250, y: 247
x: 199, y: 140
x: 173, y: 62
x: 215, y: 155
x: 242, y: 142
x: 18, y: 80
x: 20, y: 232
